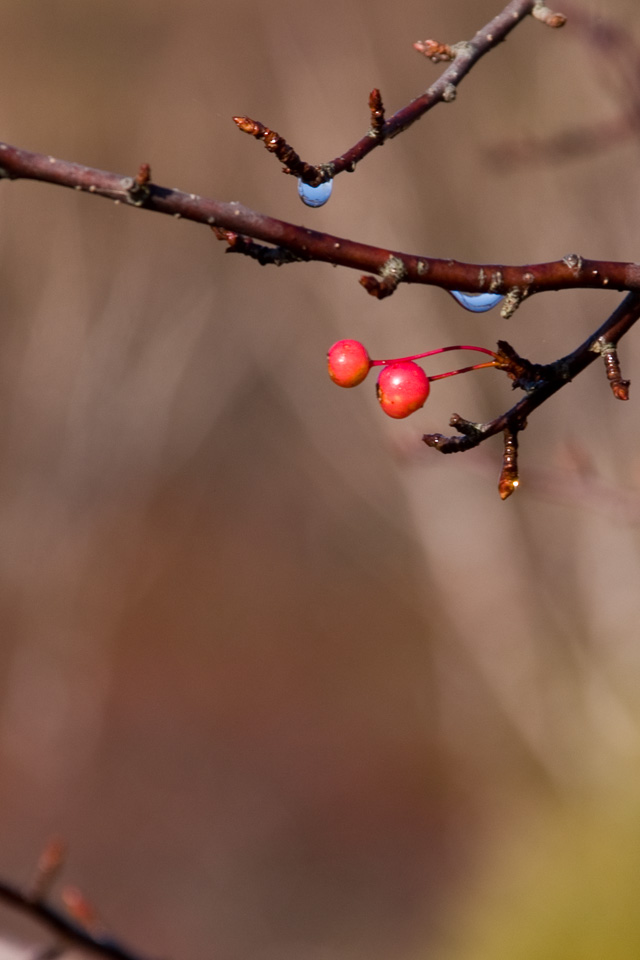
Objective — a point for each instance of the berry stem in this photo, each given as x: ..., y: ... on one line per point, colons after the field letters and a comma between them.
x: 452, y: 373
x: 432, y: 353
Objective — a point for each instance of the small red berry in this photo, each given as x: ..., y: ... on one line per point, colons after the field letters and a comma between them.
x: 402, y: 389
x: 349, y: 363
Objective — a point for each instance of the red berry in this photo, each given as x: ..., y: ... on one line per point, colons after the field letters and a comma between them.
x: 402, y: 389
x: 349, y: 363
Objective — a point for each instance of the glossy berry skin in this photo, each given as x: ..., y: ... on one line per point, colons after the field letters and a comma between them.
x: 349, y: 363
x: 402, y: 389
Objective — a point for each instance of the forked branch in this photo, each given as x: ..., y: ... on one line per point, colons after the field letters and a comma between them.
x: 272, y: 241
x: 462, y: 56
x: 540, y: 382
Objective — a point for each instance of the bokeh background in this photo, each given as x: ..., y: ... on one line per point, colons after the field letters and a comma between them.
x: 289, y: 684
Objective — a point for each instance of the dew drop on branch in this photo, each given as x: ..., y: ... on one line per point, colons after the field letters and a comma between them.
x: 477, y: 302
x: 315, y: 196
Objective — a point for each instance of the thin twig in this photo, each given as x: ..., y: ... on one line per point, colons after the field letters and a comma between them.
x: 285, y: 153
x: 237, y: 243
x: 66, y: 928
x: 619, y: 386
x: 443, y: 90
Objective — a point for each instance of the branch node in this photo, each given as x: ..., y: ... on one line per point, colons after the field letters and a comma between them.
x: 449, y: 93
x: 547, y: 16
x: 574, y: 262
x: 609, y: 353
x: 467, y: 427
x: 139, y: 190
x: 495, y: 284
x: 392, y: 272
x: 525, y: 374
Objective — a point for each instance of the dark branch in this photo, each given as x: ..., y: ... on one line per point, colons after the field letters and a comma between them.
x: 62, y: 926
x: 546, y: 381
x: 237, y: 243
x: 285, y: 153
x: 571, y: 272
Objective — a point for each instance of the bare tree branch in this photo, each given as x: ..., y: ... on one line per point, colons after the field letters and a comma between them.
x: 282, y: 242
x: 463, y: 57
x: 65, y: 928
x: 540, y: 382
x: 572, y: 272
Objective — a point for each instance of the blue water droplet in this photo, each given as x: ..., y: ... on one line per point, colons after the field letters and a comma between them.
x: 477, y: 302
x: 315, y: 196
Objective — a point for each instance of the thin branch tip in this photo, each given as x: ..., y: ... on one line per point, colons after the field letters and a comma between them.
x: 619, y: 386
x: 376, y: 109
x: 274, y: 143
x: 547, y: 16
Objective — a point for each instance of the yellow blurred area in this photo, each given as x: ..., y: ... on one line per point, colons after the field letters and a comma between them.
x: 287, y: 682
x: 564, y: 887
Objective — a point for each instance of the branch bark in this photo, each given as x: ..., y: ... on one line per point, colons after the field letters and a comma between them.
x: 572, y: 272
x: 464, y: 57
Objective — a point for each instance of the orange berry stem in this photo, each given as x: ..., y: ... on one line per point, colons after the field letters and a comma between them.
x: 432, y: 353
x: 452, y: 373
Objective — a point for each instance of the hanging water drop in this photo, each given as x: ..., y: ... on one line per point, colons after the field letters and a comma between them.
x: 477, y: 302
x: 315, y: 196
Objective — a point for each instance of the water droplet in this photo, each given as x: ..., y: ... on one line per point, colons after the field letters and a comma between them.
x: 477, y: 302
x: 315, y: 196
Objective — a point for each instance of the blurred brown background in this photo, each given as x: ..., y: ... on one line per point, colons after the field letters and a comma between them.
x: 285, y: 680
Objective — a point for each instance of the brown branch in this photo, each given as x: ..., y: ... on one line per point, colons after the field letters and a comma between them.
x: 466, y: 55
x: 63, y: 926
x: 285, y: 153
x: 572, y: 272
x: 540, y: 382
